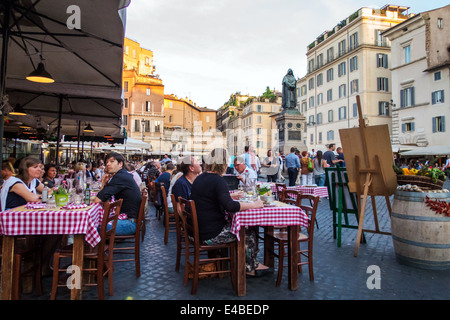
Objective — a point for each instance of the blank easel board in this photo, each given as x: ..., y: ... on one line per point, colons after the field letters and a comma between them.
x: 378, y: 143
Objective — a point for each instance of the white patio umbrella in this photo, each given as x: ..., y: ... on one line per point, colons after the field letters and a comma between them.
x: 440, y: 150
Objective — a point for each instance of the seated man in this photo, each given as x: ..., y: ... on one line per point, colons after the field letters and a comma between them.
x: 118, y: 182
x: 244, y: 173
x: 191, y: 169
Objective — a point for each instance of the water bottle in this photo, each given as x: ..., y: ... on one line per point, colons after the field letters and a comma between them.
x: 87, y: 195
x: 45, y: 193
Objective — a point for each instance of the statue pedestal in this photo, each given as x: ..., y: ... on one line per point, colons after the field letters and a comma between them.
x: 291, y: 130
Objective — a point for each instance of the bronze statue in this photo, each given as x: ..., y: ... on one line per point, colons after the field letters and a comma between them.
x: 289, y: 98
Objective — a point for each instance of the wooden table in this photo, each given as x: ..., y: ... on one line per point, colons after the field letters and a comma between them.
x: 20, y: 221
x: 281, y: 214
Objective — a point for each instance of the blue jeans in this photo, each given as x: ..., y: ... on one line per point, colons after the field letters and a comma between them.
x: 320, y: 179
x: 124, y: 227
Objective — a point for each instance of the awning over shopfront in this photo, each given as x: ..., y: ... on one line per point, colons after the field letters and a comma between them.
x: 441, y: 150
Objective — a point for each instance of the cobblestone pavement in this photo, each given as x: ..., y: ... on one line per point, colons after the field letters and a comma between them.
x: 339, y: 275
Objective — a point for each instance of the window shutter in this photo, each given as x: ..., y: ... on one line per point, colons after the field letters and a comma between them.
x: 442, y: 96
x: 412, y: 126
x: 404, y: 127
x: 433, y: 98
x: 402, y: 98
x: 385, y: 61
x: 413, y: 100
x: 434, y: 124
x: 443, y: 124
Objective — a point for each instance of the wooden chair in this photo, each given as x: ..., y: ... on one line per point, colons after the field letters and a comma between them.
x: 157, y: 199
x: 281, y: 238
x: 279, y: 187
x: 133, y: 240
x: 189, y: 221
x: 291, y: 196
x: 22, y: 269
x: 101, y: 256
x: 180, y: 232
x: 169, y: 216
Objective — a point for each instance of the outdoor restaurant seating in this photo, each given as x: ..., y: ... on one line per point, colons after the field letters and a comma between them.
x: 279, y: 190
x: 180, y: 233
x: 290, y: 196
x: 101, y: 255
x: 280, y: 237
x: 154, y: 190
x: 132, y: 242
x: 216, y: 253
x: 169, y: 216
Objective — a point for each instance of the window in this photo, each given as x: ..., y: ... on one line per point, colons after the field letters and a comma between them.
x: 353, y: 40
x: 207, y: 118
x: 341, y: 69
x: 437, y: 97
x: 148, y: 91
x: 259, y: 144
x: 311, y: 102
x: 353, y: 63
x: 330, y: 54
x: 342, y: 48
x: 147, y: 125
x: 379, y: 39
x: 319, y: 118
x: 137, y: 126
x: 311, y: 141
x: 319, y: 80
x: 329, y: 95
x: 382, y: 60
x: 147, y: 61
x: 259, y: 108
x: 440, y: 23
x: 439, y: 124
x: 330, y: 135
x: 383, y: 108
x: 311, y: 83
x: 303, y: 90
x: 342, y: 113
x: 259, y: 131
x: 148, y: 106
x: 125, y: 119
x: 382, y: 84
x: 354, y: 86
x: 170, y: 118
x: 320, y: 99
x: 355, y: 110
x: 437, y: 76
x: 342, y: 91
x: 330, y: 115
x: 330, y: 75
x: 311, y: 120
x: 134, y: 53
x: 304, y: 106
x: 311, y: 65
x: 320, y: 137
x: 407, y: 97
x: 407, y: 51
x: 259, y: 119
x: 126, y: 103
x: 320, y: 60
x: 408, y: 127
x: 125, y: 86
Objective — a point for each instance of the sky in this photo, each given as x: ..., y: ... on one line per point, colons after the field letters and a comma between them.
x: 206, y: 50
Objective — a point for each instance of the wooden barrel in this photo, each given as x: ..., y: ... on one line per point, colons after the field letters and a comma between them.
x: 421, y: 236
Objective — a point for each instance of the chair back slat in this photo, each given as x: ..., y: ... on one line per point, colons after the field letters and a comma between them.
x: 291, y: 196
x: 189, y: 218
x: 141, y: 215
x: 178, y: 224
x: 111, y: 211
x: 311, y: 210
x: 279, y: 187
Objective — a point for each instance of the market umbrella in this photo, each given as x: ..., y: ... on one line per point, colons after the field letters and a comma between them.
x: 440, y: 150
x: 85, y: 61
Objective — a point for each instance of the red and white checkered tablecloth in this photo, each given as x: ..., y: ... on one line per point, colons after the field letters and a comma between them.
x: 21, y: 221
x: 322, y: 192
x: 269, y: 216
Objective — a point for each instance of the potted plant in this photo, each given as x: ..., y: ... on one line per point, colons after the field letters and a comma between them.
x: 61, y: 196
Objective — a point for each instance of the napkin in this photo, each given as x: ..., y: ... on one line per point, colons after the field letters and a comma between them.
x: 35, y: 205
x: 74, y: 206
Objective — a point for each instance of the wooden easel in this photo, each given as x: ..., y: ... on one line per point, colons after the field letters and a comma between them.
x: 370, y: 170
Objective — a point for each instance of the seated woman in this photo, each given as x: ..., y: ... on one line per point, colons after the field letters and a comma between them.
x: 212, y: 198
x: 17, y: 191
x: 50, y: 175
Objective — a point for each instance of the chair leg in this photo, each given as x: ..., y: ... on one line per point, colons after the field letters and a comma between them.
x: 16, y: 277
x: 233, y: 268
x: 137, y: 258
x: 100, y: 283
x: 177, y: 263
x: 166, y: 228
x: 110, y: 278
x: 195, y: 278
x: 310, y: 263
x: 280, y: 263
x: 55, y: 276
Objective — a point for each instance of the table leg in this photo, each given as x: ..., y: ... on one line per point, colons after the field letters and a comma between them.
x: 241, y: 272
x: 7, y: 267
x: 293, y: 257
x: 268, y: 247
x: 77, y: 260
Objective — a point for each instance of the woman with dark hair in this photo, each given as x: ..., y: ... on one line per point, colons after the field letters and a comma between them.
x: 212, y: 199
x: 50, y: 175
x: 319, y: 169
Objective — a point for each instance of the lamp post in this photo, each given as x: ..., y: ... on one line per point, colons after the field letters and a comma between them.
x: 143, y: 128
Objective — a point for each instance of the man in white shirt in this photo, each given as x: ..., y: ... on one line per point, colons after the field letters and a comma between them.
x: 244, y: 173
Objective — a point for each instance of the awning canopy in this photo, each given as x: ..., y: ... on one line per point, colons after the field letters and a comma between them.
x: 440, y: 150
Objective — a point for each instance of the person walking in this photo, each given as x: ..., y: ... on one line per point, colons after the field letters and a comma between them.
x: 306, y: 169
x: 319, y: 169
x: 293, y: 166
x: 271, y: 166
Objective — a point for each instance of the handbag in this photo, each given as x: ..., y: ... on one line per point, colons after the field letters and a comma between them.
x: 310, y: 167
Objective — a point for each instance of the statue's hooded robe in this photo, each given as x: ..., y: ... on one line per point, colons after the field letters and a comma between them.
x: 289, y: 98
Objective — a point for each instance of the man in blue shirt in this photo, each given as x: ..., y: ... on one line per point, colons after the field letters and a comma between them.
x: 293, y: 165
x: 191, y: 168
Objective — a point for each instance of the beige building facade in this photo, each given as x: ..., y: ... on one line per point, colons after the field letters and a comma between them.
x: 421, y: 80
x: 352, y: 59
